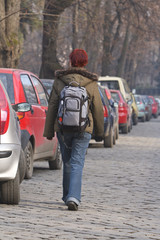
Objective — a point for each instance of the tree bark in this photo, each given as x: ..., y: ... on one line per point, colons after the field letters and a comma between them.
x: 10, y: 42
x: 52, y: 11
x: 75, y: 26
x: 121, y: 60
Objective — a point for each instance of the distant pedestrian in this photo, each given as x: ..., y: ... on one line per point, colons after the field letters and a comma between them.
x: 73, y: 145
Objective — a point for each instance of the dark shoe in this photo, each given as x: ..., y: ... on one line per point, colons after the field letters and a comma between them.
x: 72, y: 206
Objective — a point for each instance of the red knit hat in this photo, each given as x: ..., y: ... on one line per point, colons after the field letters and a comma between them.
x: 78, y: 58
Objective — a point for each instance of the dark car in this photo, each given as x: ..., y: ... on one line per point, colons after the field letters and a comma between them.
x: 29, y: 98
x: 109, y: 119
x: 154, y: 107
x: 148, y: 107
x: 114, y: 109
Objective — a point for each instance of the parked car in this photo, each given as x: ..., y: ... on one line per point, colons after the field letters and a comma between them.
x: 109, y: 135
x: 134, y: 110
x: 116, y: 83
x: 141, y: 107
x: 148, y: 107
x: 154, y: 107
x: 125, y: 113
x: 114, y: 109
x: 158, y: 101
x: 25, y: 87
x: 12, y: 161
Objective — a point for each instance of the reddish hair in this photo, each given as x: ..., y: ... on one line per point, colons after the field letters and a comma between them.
x: 78, y: 58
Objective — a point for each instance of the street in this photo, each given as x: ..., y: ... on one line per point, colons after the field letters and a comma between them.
x: 120, y: 195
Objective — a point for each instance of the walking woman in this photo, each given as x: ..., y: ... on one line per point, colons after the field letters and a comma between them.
x: 73, y: 145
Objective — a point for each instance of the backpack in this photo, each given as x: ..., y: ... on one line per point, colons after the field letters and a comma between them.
x: 73, y: 108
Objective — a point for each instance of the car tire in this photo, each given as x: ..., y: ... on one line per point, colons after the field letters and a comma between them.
x: 143, y: 119
x: 147, y: 118
x: 155, y: 115
x: 10, y: 190
x: 135, y: 119
x: 125, y: 129
x: 56, y: 163
x: 29, y: 160
x: 117, y: 132
x: 108, y: 140
x: 114, y: 137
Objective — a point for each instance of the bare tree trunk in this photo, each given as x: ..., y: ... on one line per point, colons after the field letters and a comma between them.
x: 121, y: 60
x: 75, y: 26
x: 52, y: 11
x: 10, y: 42
x: 106, y: 58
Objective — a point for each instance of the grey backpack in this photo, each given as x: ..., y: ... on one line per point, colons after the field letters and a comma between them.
x: 73, y: 109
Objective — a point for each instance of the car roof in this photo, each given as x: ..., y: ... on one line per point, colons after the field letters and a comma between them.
x: 11, y: 70
x: 103, y: 78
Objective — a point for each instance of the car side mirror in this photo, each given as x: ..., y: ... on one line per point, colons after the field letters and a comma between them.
x: 22, y: 107
x: 134, y: 91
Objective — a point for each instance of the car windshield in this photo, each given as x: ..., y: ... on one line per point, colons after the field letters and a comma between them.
x: 110, y: 84
x: 7, y: 80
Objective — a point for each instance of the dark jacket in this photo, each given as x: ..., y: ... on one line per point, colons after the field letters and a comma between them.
x: 85, y: 79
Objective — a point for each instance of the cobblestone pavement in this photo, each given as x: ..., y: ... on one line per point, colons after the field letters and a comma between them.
x: 120, y: 195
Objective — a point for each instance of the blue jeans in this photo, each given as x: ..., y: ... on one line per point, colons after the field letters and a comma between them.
x: 73, y: 149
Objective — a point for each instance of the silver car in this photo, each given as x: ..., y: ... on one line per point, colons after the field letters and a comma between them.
x: 12, y: 162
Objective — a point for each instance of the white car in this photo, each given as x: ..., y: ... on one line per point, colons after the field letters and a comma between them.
x: 12, y: 161
x: 116, y: 83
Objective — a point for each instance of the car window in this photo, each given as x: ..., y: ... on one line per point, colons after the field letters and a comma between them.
x: 40, y: 90
x: 29, y: 89
x: 105, y: 99
x: 115, y: 96
x: 111, y: 84
x: 7, y: 80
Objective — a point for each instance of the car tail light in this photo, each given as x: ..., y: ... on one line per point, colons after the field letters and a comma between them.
x: 105, y: 111
x: 4, y: 112
x: 108, y: 94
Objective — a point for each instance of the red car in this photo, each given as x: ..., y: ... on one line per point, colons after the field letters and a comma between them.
x: 124, y: 110
x: 154, y: 107
x: 30, y: 101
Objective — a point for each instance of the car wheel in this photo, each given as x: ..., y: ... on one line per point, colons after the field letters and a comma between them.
x: 135, y: 119
x: 10, y: 190
x: 108, y: 140
x: 114, y: 137
x: 29, y: 160
x: 147, y: 118
x: 155, y: 115
x: 22, y: 166
x: 56, y: 163
x: 125, y: 129
x: 117, y: 132
x: 143, y: 119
